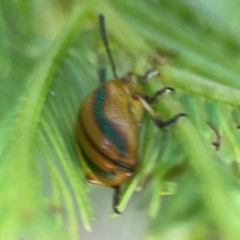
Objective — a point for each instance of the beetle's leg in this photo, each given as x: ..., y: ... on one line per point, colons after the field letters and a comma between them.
x: 157, y: 120
x: 218, y: 141
x: 102, y: 75
x: 161, y: 124
x: 149, y: 74
x: 158, y: 94
x: 116, y: 198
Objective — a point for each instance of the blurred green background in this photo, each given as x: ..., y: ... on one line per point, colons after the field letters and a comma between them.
x: 51, y: 52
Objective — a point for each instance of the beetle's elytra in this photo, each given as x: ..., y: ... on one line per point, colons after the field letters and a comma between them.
x: 108, y: 123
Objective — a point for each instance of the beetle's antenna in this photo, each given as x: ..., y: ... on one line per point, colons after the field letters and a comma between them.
x: 105, y: 41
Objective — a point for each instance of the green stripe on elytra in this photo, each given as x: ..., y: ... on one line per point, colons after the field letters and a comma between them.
x: 122, y: 166
x: 97, y: 169
x: 92, y: 165
x: 104, y: 124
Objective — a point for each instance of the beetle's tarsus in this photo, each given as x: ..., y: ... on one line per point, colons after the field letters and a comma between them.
x: 116, y: 198
x: 141, y: 78
x: 116, y: 210
x: 158, y: 94
x: 149, y: 74
x: 161, y: 124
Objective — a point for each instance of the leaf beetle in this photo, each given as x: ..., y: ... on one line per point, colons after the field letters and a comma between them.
x: 108, y: 122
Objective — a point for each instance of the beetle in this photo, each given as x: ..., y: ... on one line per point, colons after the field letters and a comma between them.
x: 108, y: 123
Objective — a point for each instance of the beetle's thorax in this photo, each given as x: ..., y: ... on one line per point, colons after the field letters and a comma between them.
x: 121, y: 100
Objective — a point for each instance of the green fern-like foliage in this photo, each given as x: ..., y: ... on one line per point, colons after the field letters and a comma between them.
x: 50, y: 54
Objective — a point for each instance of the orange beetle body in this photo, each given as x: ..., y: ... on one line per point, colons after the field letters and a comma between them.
x: 107, y: 132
